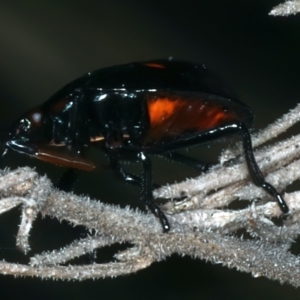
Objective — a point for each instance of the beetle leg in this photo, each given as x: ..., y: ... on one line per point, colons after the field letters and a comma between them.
x: 147, y: 192
x: 257, y: 176
x: 219, y: 132
x: 145, y: 183
x: 188, y: 161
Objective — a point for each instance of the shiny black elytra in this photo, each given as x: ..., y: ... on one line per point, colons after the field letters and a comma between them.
x: 130, y: 112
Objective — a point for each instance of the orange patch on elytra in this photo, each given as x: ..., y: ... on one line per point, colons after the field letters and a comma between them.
x: 172, y: 117
x: 160, y: 109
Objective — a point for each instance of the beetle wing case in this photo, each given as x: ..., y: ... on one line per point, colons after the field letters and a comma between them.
x: 153, y: 102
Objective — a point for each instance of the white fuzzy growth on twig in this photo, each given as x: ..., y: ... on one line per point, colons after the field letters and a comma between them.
x: 202, y: 225
x: 286, y: 9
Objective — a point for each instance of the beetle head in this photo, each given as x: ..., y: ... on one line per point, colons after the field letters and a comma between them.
x: 32, y: 135
x: 26, y: 133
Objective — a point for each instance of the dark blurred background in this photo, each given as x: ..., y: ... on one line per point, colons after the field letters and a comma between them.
x: 46, y: 44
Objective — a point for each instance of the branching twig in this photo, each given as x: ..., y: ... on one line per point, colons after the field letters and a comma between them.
x: 201, y: 225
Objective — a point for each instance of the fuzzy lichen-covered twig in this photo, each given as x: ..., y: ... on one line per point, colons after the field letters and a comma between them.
x: 202, y: 225
x: 286, y: 9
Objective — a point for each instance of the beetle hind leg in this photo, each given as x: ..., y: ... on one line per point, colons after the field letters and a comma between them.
x: 235, y: 127
x: 257, y: 176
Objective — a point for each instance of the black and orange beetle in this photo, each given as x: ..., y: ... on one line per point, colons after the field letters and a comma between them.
x: 133, y: 111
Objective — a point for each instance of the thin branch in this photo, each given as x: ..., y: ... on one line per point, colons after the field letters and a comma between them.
x: 201, y: 225
x: 286, y: 9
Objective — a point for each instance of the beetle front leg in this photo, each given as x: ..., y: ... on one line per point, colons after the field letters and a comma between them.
x: 147, y: 191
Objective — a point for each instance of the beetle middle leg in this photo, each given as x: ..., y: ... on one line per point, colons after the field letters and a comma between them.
x: 145, y: 183
x: 147, y: 191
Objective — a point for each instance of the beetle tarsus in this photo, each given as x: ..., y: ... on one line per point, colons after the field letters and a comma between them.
x: 159, y: 214
x: 282, y: 204
x: 273, y: 192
